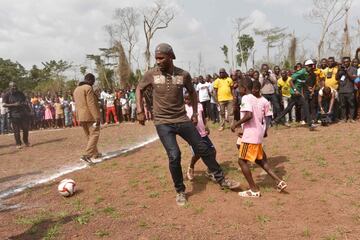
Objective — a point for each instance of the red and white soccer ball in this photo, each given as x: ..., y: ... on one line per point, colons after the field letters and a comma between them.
x: 67, y: 187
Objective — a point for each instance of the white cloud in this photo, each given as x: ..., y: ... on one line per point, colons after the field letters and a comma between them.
x: 259, y: 20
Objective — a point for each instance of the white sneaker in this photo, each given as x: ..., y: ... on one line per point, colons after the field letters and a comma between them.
x: 302, y: 122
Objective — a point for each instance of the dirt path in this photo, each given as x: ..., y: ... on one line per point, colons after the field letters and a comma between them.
x: 132, y: 197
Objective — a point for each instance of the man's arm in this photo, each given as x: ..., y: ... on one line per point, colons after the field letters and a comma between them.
x: 141, y: 87
x: 320, y: 103
x: 352, y: 73
x: 332, y: 100
x: 92, y: 103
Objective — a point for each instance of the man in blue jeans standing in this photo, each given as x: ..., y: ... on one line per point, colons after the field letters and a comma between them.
x: 167, y: 83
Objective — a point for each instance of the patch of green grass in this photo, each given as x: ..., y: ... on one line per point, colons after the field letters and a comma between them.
x: 306, y: 233
x: 210, y: 200
x: 330, y: 237
x: 199, y: 210
x: 262, y: 219
x: 84, y: 218
x: 321, y: 162
x: 52, y: 232
x: 98, y: 200
x: 102, y: 233
x: 248, y: 203
x: 154, y: 195
x: 32, y: 220
x: 144, y: 206
x: 306, y: 173
x: 77, y: 205
x: 143, y: 224
x: 133, y: 182
x: 350, y: 180
x: 266, y: 189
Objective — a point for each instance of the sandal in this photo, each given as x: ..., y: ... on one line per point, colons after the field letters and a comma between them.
x: 281, y: 186
x: 249, y: 193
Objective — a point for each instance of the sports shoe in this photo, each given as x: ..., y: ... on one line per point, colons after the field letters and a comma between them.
x: 87, y: 160
x: 352, y: 121
x: 210, y: 176
x: 221, y: 129
x: 181, y: 199
x: 190, y: 173
x: 312, y: 127
x: 18, y: 147
x: 98, y: 155
x: 287, y: 124
x: 302, y: 122
x: 230, y: 184
x: 27, y: 145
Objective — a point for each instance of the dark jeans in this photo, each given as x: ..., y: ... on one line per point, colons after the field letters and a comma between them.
x: 274, y: 100
x: 206, y: 108
x: 167, y: 134
x: 299, y: 100
x: 3, y: 124
x: 311, y: 104
x: 214, y: 112
x: 347, y: 101
x: 21, y: 124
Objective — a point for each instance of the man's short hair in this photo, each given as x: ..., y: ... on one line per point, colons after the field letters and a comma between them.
x: 327, y: 90
x: 331, y: 58
x: 346, y: 58
x: 256, y: 85
x: 89, y: 77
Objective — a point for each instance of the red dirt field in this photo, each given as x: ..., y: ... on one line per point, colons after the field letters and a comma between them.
x: 132, y: 197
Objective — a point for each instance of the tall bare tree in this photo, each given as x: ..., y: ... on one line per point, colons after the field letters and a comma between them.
x: 327, y: 13
x: 292, y: 50
x: 155, y: 18
x: 346, y: 45
x: 125, y: 29
x: 272, y: 37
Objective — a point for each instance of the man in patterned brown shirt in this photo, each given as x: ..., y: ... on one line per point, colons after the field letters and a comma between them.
x: 167, y: 83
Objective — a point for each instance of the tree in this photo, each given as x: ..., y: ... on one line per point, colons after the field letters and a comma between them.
x: 271, y: 37
x: 155, y: 18
x: 225, y: 51
x: 125, y: 29
x: 240, y: 25
x: 105, y: 74
x: 345, y: 46
x: 244, y: 46
x: 291, y: 59
x: 11, y: 72
x: 326, y: 13
x: 124, y: 70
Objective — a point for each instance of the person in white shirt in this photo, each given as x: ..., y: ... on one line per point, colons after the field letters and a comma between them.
x: 203, y: 89
x: 3, y: 116
x: 110, y: 107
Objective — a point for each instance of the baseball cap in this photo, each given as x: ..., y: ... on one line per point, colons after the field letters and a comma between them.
x: 309, y: 62
x: 166, y: 49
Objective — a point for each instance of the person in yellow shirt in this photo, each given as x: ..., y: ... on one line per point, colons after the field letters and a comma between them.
x: 223, y: 92
x: 330, y: 74
x: 284, y: 88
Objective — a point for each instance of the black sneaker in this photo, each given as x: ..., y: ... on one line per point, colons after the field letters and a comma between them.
x: 230, y: 184
x: 181, y: 199
x: 87, y: 160
x: 210, y: 176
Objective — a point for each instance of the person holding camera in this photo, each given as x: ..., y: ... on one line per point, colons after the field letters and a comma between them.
x: 15, y: 101
x: 326, y: 100
x: 346, y: 76
x: 268, y: 82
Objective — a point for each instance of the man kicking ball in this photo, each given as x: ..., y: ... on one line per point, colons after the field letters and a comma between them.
x: 167, y: 83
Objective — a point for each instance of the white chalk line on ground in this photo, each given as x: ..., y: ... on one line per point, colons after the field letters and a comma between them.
x: 70, y: 169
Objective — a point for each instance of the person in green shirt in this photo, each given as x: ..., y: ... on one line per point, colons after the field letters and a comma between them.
x: 298, y: 83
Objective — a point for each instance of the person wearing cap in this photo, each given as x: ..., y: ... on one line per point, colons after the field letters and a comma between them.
x: 88, y: 113
x: 223, y: 86
x: 15, y: 101
x: 166, y: 83
x: 298, y: 83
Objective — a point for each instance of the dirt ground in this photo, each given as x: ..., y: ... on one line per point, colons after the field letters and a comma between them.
x: 132, y: 197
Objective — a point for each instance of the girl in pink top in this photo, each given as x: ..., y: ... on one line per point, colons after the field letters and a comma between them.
x: 48, y: 115
x: 203, y: 131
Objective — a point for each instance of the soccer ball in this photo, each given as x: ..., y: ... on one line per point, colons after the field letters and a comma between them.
x: 67, y: 187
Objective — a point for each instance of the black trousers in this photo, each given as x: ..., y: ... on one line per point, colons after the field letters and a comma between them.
x: 21, y: 124
x: 347, y: 101
x: 273, y: 99
x: 296, y: 100
x: 206, y: 108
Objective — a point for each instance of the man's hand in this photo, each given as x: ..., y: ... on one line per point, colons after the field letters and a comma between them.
x: 194, y: 119
x: 322, y: 111
x: 233, y: 127
x: 207, y: 130
x: 240, y: 133
x: 97, y: 123
x: 265, y: 134
x: 140, y: 116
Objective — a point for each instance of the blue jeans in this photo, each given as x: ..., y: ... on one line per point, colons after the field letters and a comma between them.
x: 167, y: 134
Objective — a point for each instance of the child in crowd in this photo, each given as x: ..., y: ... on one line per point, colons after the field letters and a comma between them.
x: 67, y: 113
x: 48, y: 115
x: 59, y: 113
x: 204, y: 133
x: 255, y: 120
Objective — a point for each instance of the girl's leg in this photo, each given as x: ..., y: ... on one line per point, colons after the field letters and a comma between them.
x: 264, y: 165
x: 247, y: 173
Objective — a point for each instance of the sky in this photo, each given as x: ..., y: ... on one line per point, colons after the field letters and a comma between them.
x: 35, y: 31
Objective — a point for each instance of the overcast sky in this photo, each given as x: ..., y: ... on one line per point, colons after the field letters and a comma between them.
x: 35, y: 31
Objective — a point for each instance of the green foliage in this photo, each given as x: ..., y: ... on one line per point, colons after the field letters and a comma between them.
x: 11, y: 71
x: 244, y: 46
x: 225, y: 51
